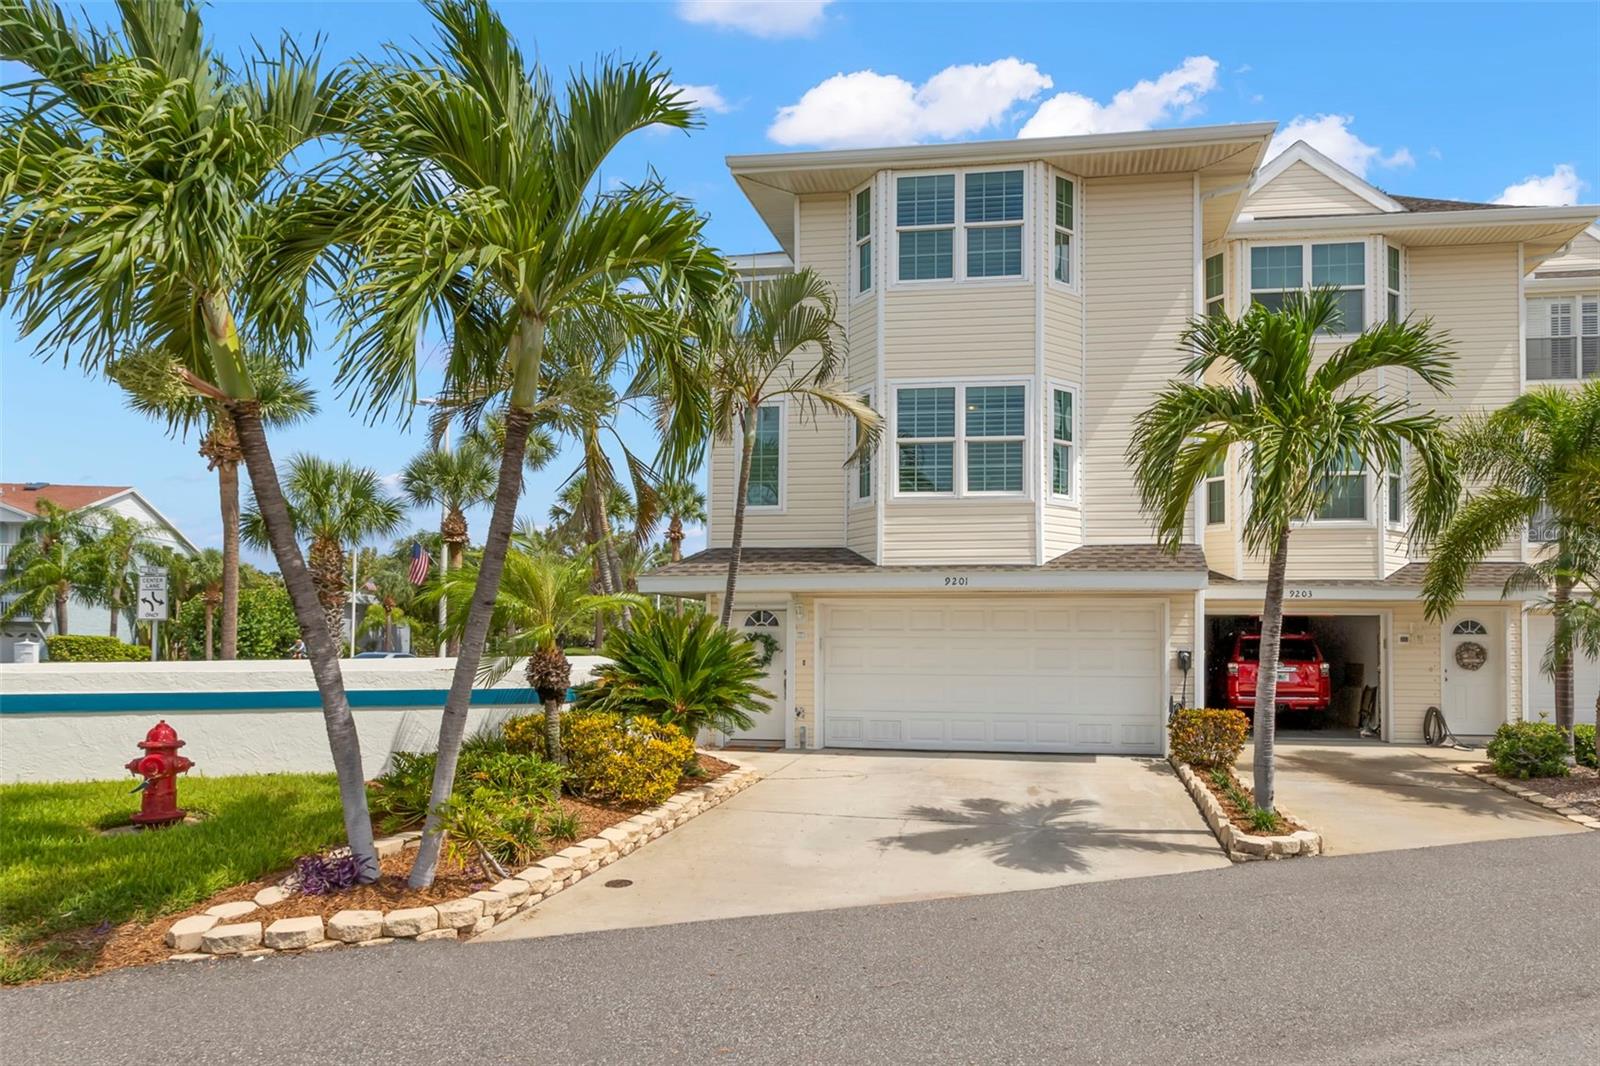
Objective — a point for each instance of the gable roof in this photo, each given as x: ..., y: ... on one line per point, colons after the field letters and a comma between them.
x: 1301, y: 152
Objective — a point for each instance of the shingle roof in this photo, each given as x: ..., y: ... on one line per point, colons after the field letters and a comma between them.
x: 1484, y: 575
x: 1134, y: 558
x: 1430, y: 203
x: 1567, y: 273
x: 16, y: 494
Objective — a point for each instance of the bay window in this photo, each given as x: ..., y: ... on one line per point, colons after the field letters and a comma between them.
x: 995, y: 431
x: 925, y: 435
x: 1344, y: 491
x: 925, y: 215
x: 863, y: 235
x: 861, y: 490
x: 983, y: 452
x: 975, y: 225
x: 1279, y: 269
x: 1061, y: 438
x: 1065, y: 226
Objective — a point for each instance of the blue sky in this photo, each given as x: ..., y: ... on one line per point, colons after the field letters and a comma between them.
x: 1468, y: 101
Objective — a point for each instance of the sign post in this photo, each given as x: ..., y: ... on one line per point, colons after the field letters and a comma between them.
x: 153, y: 601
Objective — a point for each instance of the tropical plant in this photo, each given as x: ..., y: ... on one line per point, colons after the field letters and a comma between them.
x: 452, y: 479
x: 67, y: 648
x: 634, y: 760
x: 155, y: 386
x: 52, y: 555
x: 149, y: 202
x: 495, y: 229
x: 332, y: 506
x: 1530, y: 749
x: 686, y: 670
x: 208, y: 574
x: 121, y: 542
x: 1300, y: 422
x: 1519, y: 464
x: 755, y: 337
x: 268, y: 624
x: 681, y: 501
x: 385, y: 579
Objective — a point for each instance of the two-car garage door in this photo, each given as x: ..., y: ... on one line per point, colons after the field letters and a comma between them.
x: 1047, y: 675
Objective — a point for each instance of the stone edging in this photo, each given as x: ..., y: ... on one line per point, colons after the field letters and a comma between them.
x: 1239, y: 845
x: 220, y: 931
x: 1532, y: 795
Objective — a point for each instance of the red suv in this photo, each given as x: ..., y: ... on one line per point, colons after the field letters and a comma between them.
x: 1303, y: 683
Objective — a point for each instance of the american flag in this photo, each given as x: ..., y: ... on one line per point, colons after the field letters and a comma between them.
x: 421, y: 562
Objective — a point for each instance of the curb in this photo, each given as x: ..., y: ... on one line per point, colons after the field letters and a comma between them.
x: 1534, y: 796
x: 225, y: 930
x: 1239, y: 845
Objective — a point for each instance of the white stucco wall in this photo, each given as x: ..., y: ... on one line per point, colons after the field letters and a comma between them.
x: 83, y: 742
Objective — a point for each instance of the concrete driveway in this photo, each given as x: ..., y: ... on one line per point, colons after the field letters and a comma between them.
x: 836, y: 829
x: 1365, y: 796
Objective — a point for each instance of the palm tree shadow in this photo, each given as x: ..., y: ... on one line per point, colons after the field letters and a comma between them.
x: 1049, y: 836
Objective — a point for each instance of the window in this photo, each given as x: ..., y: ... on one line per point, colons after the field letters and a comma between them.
x: 925, y: 214
x: 1214, y: 286
x: 994, y: 224
x: 1543, y: 528
x: 863, y: 480
x: 1564, y: 338
x: 864, y: 239
x: 1345, y: 492
x: 1392, y: 287
x: 1397, y: 498
x: 1470, y: 627
x: 984, y: 451
x: 760, y: 620
x: 990, y: 204
x: 766, y: 459
x: 1278, y: 270
x: 1217, y: 492
x: 1061, y: 442
x: 1061, y: 253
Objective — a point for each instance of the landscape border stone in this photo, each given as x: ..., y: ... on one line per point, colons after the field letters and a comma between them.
x: 1532, y: 795
x: 1236, y: 843
x: 469, y: 915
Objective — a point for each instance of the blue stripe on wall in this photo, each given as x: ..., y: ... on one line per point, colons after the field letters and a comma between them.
x: 292, y: 700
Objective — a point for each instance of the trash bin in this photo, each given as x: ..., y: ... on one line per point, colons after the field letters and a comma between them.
x: 25, y: 651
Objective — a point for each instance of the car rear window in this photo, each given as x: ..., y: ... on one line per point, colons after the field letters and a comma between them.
x: 1292, y: 649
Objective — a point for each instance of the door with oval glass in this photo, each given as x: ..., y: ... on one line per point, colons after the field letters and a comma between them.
x: 764, y: 629
x: 1474, y: 673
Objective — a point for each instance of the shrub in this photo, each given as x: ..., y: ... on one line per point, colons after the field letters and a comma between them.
x: 501, y: 829
x: 524, y: 734
x: 1208, y: 738
x: 1529, y: 749
x: 83, y: 649
x: 267, y: 626
x: 638, y: 760
x: 684, y: 670
x: 399, y: 798
x: 323, y: 875
x: 1583, y: 746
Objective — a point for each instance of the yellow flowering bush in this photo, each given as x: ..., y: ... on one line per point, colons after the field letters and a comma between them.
x: 636, y: 760
x: 1208, y: 738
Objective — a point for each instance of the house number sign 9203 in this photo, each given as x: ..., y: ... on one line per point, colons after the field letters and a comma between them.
x: 1297, y: 594
x: 955, y: 581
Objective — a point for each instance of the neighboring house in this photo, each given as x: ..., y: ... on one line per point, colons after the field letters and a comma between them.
x: 987, y: 581
x: 19, y: 502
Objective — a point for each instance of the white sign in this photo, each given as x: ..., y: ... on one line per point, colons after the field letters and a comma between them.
x: 153, y: 594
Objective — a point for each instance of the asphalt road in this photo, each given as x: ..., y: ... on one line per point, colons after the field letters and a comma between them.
x: 1477, y: 953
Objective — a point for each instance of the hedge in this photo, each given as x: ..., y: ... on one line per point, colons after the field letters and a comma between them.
x: 72, y: 648
x: 1208, y: 738
x: 267, y: 626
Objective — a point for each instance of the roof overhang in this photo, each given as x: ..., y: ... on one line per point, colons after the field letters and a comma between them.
x: 930, y: 579
x: 1341, y: 592
x: 772, y: 181
x: 1544, y: 230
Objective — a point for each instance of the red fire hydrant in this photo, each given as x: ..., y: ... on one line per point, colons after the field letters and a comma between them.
x: 160, y: 766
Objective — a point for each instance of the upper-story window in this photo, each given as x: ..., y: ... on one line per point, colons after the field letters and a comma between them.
x: 1392, y: 283
x: 766, y: 459
x: 1396, y: 480
x: 1346, y: 492
x: 1542, y: 529
x: 987, y: 241
x: 1279, y: 269
x: 1061, y: 438
x: 1065, y: 227
x: 981, y: 452
x: 1564, y: 337
x: 1217, y: 491
x: 863, y: 235
x: 1214, y: 286
x: 861, y: 488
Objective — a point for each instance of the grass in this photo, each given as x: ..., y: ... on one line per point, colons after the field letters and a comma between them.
x: 59, y: 876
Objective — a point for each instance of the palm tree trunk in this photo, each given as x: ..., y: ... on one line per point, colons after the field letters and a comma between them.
x: 552, y: 731
x: 675, y: 539
x: 737, y: 546
x: 210, y: 617
x: 1566, y: 698
x: 1266, y: 722
x: 321, y: 649
x: 63, y: 593
x: 116, y: 609
x: 228, y: 491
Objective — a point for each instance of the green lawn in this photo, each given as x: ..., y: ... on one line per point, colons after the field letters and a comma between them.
x: 57, y: 873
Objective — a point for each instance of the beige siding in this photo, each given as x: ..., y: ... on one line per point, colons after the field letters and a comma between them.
x: 1180, y: 636
x: 958, y: 531
x: 1139, y: 294
x: 1325, y: 553
x: 1063, y: 336
x: 1416, y: 682
x: 861, y: 529
x: 823, y: 239
x: 1583, y: 255
x: 1472, y: 293
x: 803, y: 679
x: 1063, y: 530
x: 1515, y: 629
x: 1301, y: 190
x: 962, y: 331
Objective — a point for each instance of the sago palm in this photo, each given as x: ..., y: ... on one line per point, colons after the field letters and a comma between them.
x: 493, y: 229
x: 767, y: 341
x: 52, y: 555
x: 1256, y: 385
x: 331, y: 506
x: 1526, y: 460
x: 149, y: 202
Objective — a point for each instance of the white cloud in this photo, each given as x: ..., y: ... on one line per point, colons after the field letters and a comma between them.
x: 763, y: 18
x: 704, y: 97
x: 1557, y: 189
x: 1174, y: 93
x: 1332, y: 136
x: 865, y: 107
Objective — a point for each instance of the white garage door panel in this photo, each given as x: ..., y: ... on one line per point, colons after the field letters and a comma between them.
x: 994, y: 677
x: 1542, y: 691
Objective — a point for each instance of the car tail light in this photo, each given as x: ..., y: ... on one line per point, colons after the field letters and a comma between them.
x: 1233, y: 669
x: 1324, y: 669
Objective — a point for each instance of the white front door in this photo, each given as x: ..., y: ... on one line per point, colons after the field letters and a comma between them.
x: 1474, y: 673
x: 765, y: 628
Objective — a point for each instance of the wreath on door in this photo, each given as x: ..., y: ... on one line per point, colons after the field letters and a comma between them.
x: 767, y: 645
x: 1470, y: 655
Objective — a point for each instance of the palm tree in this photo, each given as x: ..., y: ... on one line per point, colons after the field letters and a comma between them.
x: 331, y: 506
x: 155, y: 386
x: 207, y: 576
x: 544, y: 597
x: 52, y: 555
x: 1256, y: 384
x: 752, y: 337
x: 1530, y: 459
x: 454, y: 480
x: 681, y: 501
x: 385, y: 579
x: 120, y: 543
x: 150, y: 203
x: 495, y: 230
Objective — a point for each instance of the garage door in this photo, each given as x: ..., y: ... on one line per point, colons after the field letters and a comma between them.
x: 1057, y: 676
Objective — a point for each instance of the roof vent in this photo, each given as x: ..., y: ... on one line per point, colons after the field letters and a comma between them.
x: 34, y: 486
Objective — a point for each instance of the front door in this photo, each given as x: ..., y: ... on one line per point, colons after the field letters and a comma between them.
x: 1474, y: 673
x: 764, y: 629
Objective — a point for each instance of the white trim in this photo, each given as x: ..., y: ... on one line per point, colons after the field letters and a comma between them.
x: 1048, y: 228
x: 1307, y: 284
x: 882, y: 390
x: 1301, y: 152
x: 782, y: 507
x: 958, y: 472
x: 788, y: 671
x: 854, y: 241
x: 1083, y: 356
x: 853, y: 470
x: 1325, y: 590
x: 1414, y: 221
x: 1048, y: 435
x: 1046, y: 178
x: 930, y: 579
x: 1197, y: 665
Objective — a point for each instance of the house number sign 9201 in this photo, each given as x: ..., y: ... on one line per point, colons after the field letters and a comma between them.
x: 955, y: 581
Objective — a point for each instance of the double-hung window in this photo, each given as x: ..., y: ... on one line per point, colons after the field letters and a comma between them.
x: 961, y: 439
x: 925, y: 218
x: 959, y: 225
x: 996, y: 433
x: 1065, y: 227
x: 1542, y: 529
x: 863, y: 234
x: 1217, y: 491
x: 861, y: 489
x: 1214, y: 286
x: 1061, y: 438
x: 1564, y: 338
x: 1396, y: 481
x: 1392, y: 283
x: 992, y: 210
x: 925, y: 436
x: 1344, y: 491
x: 766, y: 459
x: 1279, y: 269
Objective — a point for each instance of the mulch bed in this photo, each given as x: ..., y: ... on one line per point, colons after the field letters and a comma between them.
x: 1241, y: 818
x: 1579, y: 789
x: 141, y: 943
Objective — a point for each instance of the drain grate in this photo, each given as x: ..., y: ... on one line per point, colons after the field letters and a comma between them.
x: 618, y: 882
